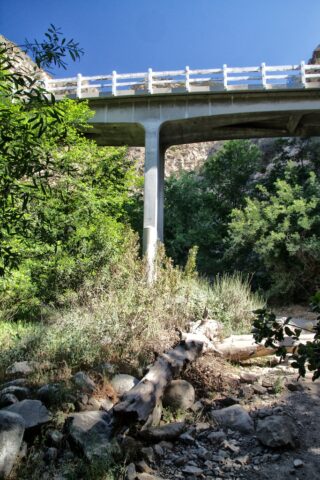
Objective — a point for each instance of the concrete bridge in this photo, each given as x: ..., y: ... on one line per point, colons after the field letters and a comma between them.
x: 160, y: 109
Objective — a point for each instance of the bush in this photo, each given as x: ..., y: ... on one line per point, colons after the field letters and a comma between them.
x: 121, y: 318
x: 283, y: 228
x: 198, y: 204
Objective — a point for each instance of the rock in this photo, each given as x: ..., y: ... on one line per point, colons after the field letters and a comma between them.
x: 148, y: 454
x: 248, y: 378
x: 7, y: 399
x: 187, y: 439
x: 246, y: 391
x: 277, y: 431
x: 297, y: 463
x: 105, y: 404
x: 191, y: 470
x: 131, y: 472
x: 234, y: 417
x: 33, y: 412
x: 22, y: 368
x: 158, y: 450
x: 267, y: 383
x: 294, y: 386
x: 142, y: 466
x: 19, y: 392
x: 49, y: 394
x: 147, y: 476
x: 226, y: 402
x: 170, y: 431
x: 11, y: 434
x: 179, y: 395
x: 197, y: 406
x: 181, y: 460
x: 217, y: 437
x: 84, y: 382
x: 122, y: 383
x: 93, y: 404
x: 18, y: 382
x: 130, y: 447
x: 230, y: 446
x: 55, y: 438
x: 202, y: 426
x: 91, y: 432
x: 106, y: 369
x: 259, y: 389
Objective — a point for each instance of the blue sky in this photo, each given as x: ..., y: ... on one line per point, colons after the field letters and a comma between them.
x: 132, y: 35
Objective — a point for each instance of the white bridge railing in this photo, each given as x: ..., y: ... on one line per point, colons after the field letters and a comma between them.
x: 187, y: 80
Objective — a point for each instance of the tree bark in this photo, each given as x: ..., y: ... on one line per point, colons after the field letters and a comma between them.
x: 138, y: 404
x: 243, y: 347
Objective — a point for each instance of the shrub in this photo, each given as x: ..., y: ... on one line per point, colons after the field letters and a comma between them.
x: 119, y: 317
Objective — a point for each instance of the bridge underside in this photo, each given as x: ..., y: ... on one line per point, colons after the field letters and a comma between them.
x: 205, y: 129
x: 159, y: 121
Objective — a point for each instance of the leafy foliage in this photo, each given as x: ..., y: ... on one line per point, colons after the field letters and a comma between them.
x: 305, y: 357
x: 53, y: 49
x: 61, y: 197
x: 198, y: 204
x: 282, y: 226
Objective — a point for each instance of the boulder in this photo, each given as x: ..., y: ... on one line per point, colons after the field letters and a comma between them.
x: 22, y: 368
x: 20, y: 392
x: 247, y: 377
x: 84, y: 382
x: 179, y: 395
x: 170, y: 431
x: 234, y: 417
x: 11, y: 433
x: 122, y: 383
x: 7, y: 399
x: 18, y: 382
x: 33, y: 412
x: 91, y: 432
x: 49, y: 394
x: 277, y: 431
x: 217, y: 437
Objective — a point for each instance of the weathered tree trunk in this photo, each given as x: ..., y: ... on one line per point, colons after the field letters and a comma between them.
x: 139, y: 403
x: 243, y: 347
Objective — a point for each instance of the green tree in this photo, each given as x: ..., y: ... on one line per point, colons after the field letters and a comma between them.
x: 30, y: 124
x: 283, y: 229
x: 198, y: 204
x: 62, y: 199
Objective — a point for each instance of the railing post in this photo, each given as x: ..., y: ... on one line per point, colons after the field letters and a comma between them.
x: 303, y: 73
x: 225, y: 77
x: 114, y: 83
x: 187, y: 79
x: 263, y: 75
x: 150, y: 89
x: 45, y: 83
x: 79, y: 81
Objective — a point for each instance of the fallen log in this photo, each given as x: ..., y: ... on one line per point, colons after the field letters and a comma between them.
x: 243, y: 347
x: 138, y: 404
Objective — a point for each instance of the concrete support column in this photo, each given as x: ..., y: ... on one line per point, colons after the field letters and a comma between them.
x: 161, y: 192
x: 153, y: 197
